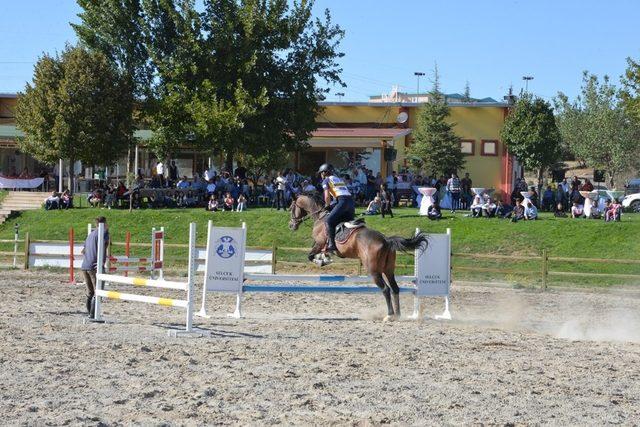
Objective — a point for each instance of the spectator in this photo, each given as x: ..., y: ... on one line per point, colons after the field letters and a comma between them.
x: 453, y: 186
x: 66, y: 200
x: 110, y: 197
x: 307, y: 187
x: 212, y: 206
x: 96, y: 197
x: 434, y: 213
x: 228, y: 202
x: 476, y: 206
x: 466, y: 197
x: 241, y: 172
x: 281, y: 186
x: 533, y: 196
x: 548, y: 199
x: 577, y: 210
x: 502, y: 210
x: 374, y: 207
x: 52, y: 202
x: 241, y: 203
x: 173, y: 173
x: 386, y: 200
x: 587, y: 186
x: 90, y: 262
x: 211, y: 188
x: 160, y: 173
x: 517, y: 213
x: 530, y: 211
x: 612, y: 211
x: 489, y: 208
x: 184, y: 183
x: 559, y: 211
x: 392, y: 186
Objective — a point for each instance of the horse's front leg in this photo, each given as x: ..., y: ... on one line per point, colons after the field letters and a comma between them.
x: 315, y: 250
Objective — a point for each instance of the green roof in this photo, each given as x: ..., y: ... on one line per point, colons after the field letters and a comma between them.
x: 10, y: 131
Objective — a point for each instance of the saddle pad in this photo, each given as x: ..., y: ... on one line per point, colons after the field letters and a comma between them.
x: 344, y: 230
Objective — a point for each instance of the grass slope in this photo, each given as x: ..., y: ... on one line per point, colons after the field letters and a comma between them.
x: 561, y: 237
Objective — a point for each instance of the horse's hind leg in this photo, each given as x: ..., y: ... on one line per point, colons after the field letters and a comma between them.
x: 386, y: 291
x: 389, y: 272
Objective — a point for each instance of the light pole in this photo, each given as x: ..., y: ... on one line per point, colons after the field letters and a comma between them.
x: 526, y: 82
x: 418, y: 74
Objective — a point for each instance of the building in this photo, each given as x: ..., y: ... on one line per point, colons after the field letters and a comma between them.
x: 375, y: 134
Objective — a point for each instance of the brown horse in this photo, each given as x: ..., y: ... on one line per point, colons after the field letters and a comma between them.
x: 376, y: 252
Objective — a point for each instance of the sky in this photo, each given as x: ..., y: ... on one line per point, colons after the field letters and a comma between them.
x: 491, y: 44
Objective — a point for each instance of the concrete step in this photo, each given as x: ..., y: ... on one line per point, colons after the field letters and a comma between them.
x: 5, y: 212
x: 19, y: 207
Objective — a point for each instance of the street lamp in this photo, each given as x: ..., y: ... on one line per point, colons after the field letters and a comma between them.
x: 526, y: 82
x: 418, y: 74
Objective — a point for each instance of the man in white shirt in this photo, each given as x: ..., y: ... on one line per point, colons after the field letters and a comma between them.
x: 160, y: 172
x: 281, y: 186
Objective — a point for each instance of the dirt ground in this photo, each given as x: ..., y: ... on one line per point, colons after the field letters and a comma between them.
x: 509, y: 356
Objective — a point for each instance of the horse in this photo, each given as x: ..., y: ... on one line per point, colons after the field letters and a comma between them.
x: 376, y: 252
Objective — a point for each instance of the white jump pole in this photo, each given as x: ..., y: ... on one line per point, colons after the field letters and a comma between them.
x: 446, y: 315
x: 416, y: 298
x: 60, y: 175
x: 237, y: 313
x: 193, y: 265
x: 203, y: 308
x: 97, y: 316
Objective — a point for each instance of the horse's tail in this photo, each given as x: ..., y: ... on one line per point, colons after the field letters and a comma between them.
x: 398, y: 243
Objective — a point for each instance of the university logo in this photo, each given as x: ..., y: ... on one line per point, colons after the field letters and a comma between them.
x: 225, y: 247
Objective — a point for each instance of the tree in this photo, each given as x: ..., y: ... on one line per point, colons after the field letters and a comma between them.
x: 466, y: 97
x: 236, y: 75
x: 78, y: 108
x: 531, y: 134
x: 435, y: 147
x: 630, y: 93
x: 597, y: 129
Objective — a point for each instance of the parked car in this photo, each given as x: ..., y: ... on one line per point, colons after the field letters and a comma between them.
x: 632, y: 202
x: 632, y: 187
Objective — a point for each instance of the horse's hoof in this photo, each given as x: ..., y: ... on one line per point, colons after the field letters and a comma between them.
x: 390, y: 318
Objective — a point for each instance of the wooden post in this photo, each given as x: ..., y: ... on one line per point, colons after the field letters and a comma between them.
x: 545, y: 268
x: 274, y: 259
x: 127, y: 250
x: 27, y: 243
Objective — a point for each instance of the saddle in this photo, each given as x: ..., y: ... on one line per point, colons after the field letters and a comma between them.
x: 345, y: 230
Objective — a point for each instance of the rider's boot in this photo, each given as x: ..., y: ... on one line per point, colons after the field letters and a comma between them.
x: 92, y: 311
x: 89, y: 304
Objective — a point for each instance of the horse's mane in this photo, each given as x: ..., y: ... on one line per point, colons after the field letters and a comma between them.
x: 315, y: 196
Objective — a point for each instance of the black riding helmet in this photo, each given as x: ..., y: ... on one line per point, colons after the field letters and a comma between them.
x: 325, y: 167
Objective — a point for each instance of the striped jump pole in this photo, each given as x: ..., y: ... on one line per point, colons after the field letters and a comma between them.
x: 187, y: 303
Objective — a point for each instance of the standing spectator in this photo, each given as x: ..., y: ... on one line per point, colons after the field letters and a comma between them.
x: 160, y: 173
x: 466, y: 196
x: 90, y: 262
x: 173, y: 173
x: 386, y: 201
x: 548, y: 199
x: 281, y: 186
x: 241, y: 203
x: 453, y: 186
x: 211, y: 188
x: 392, y: 186
x: 183, y: 183
x: 575, y: 188
x: 241, y: 172
x: 587, y: 186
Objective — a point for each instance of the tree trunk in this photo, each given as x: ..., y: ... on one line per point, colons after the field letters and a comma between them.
x: 611, y: 180
x: 228, y: 161
x: 540, y: 178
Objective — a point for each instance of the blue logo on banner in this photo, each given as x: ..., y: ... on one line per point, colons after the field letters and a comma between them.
x: 225, y: 248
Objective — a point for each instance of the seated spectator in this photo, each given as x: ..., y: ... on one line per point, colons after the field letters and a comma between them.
x: 434, y: 213
x: 110, y: 197
x: 502, y: 210
x: 121, y: 191
x: 548, y: 199
x: 242, y: 202
x: 183, y: 183
x: 577, y: 210
x: 530, y: 211
x: 533, y: 196
x: 612, y: 211
x: 517, y: 213
x: 66, y: 200
x: 212, y: 206
x: 374, y: 207
x: 559, y: 211
x: 587, y: 186
x: 228, y: 202
x: 52, y: 202
x: 476, y: 206
x: 190, y: 200
x: 489, y: 208
x: 96, y: 197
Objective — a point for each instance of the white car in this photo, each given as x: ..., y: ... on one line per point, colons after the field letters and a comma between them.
x: 632, y: 201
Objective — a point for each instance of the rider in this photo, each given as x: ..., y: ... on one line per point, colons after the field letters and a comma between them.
x: 338, y: 200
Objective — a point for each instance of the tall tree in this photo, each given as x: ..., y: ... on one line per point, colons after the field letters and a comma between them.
x: 630, y: 93
x: 235, y: 75
x: 78, y: 108
x: 597, y: 129
x: 531, y: 134
x: 435, y: 147
x: 466, y: 97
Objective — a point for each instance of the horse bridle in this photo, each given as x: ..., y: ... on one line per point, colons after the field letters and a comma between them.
x: 306, y: 216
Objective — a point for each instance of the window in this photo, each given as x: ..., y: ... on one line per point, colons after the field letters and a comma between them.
x: 468, y: 147
x: 489, y: 148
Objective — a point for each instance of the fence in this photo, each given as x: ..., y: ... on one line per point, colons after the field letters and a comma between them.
x: 537, y: 268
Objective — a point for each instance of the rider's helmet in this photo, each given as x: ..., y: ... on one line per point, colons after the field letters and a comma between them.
x: 325, y: 167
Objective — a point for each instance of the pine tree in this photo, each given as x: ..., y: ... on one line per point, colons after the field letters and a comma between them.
x: 467, y: 93
x: 436, y: 147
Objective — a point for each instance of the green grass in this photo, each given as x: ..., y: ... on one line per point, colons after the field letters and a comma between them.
x: 3, y: 194
x: 560, y: 237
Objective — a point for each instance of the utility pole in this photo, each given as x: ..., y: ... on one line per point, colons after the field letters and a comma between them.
x: 418, y: 74
x: 340, y: 95
x: 526, y: 82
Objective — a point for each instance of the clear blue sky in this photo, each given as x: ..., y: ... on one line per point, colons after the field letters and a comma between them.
x: 492, y: 44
